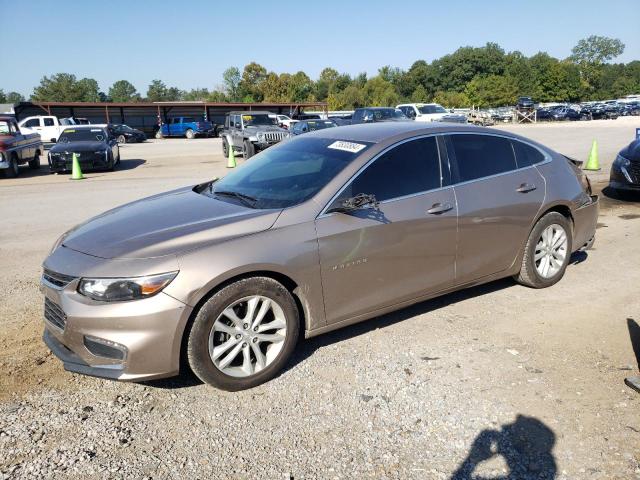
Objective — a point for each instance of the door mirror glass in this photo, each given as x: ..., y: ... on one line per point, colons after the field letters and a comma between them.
x: 359, y: 202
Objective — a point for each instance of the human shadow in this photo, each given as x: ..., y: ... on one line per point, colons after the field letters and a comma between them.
x: 526, y: 446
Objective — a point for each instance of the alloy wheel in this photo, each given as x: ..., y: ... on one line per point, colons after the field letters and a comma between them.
x: 551, y: 251
x: 247, y: 336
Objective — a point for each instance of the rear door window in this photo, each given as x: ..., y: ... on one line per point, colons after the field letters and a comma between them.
x: 526, y: 155
x: 477, y: 156
x: 409, y: 168
x: 48, y: 122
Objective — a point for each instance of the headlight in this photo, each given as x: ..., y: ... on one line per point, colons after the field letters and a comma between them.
x: 260, y: 135
x: 101, y: 152
x: 123, y: 289
x: 620, y: 161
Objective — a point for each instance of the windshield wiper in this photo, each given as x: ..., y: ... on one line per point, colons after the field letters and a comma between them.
x: 248, y: 200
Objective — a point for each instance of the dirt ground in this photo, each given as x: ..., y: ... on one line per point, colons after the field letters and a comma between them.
x: 494, y: 352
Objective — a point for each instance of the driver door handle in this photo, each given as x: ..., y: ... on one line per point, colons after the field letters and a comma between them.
x: 526, y: 187
x: 439, y: 208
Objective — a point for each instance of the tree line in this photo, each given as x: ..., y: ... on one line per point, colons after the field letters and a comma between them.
x: 479, y: 76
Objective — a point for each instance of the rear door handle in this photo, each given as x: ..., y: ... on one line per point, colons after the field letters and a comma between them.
x: 439, y: 208
x: 526, y: 187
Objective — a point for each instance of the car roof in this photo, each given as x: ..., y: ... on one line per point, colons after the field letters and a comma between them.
x: 382, y: 131
x: 251, y: 112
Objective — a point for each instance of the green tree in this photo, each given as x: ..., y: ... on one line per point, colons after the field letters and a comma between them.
x: 157, y: 91
x: 378, y: 92
x: 590, y: 54
x: 252, y: 76
x: 123, y: 91
x: 64, y: 87
x: 491, y: 91
x: 452, y: 99
x: 231, y: 78
x: 196, y: 95
x: 419, y: 95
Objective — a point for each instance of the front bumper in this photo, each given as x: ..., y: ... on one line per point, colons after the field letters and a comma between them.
x: 87, y: 161
x: 134, y: 340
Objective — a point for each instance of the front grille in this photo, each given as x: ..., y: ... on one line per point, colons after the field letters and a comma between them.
x: 58, y: 279
x: 54, y: 314
x: 634, y: 171
x: 274, y: 137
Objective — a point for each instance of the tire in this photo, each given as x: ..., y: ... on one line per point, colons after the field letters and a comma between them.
x: 34, y: 164
x: 14, y: 169
x: 249, y: 149
x: 122, y: 139
x: 189, y: 134
x: 243, y: 372
x: 532, y: 270
x: 159, y: 135
x: 225, y: 147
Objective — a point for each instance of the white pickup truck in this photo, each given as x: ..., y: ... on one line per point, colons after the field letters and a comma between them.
x: 430, y: 112
x: 48, y: 126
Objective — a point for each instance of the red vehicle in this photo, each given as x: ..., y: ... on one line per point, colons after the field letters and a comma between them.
x: 17, y: 149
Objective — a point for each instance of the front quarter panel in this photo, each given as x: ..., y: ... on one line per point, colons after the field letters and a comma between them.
x: 290, y: 250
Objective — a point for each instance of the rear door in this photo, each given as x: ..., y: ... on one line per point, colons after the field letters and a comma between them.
x: 370, y: 258
x: 497, y: 203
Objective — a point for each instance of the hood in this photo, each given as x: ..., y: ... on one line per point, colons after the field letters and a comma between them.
x: 78, y: 147
x: 265, y: 128
x: 165, y: 224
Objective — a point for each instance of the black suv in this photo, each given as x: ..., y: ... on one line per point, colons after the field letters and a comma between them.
x: 525, y: 103
x: 378, y: 114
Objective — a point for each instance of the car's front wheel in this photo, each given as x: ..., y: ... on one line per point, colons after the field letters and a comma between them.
x: 189, y: 134
x: 244, y: 334
x: 249, y: 149
x: 547, y: 252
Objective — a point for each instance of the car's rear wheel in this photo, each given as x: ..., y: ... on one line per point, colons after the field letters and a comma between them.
x: 249, y: 149
x: 34, y: 163
x: 244, y: 334
x: 547, y: 252
x: 14, y: 169
x: 122, y: 139
x: 189, y: 134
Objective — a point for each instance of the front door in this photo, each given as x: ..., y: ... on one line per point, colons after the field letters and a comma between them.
x: 497, y: 203
x: 371, y: 258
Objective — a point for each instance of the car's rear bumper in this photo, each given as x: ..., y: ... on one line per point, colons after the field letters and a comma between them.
x: 585, y: 220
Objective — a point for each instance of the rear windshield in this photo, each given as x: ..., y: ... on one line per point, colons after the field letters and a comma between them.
x: 289, y: 173
x: 432, y: 109
x: 83, y: 135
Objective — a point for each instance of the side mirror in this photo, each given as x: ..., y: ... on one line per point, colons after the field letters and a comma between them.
x: 359, y: 202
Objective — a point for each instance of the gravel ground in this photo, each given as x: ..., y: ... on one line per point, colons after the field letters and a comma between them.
x: 494, y: 379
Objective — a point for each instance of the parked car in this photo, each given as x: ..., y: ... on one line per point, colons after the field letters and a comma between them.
x: 480, y: 117
x: 306, y: 116
x: 284, y: 121
x: 95, y: 148
x: 341, y: 120
x: 525, y: 103
x: 625, y: 170
x: 249, y: 132
x: 317, y: 233
x: 305, y: 126
x: 430, y: 112
x: 565, y: 113
x: 126, y: 134
x: 188, y: 127
x: 17, y: 148
x: 377, y: 114
x: 49, y: 127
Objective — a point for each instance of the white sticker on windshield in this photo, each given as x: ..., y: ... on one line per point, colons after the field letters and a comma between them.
x: 347, y: 146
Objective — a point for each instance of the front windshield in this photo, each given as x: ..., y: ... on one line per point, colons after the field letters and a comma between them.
x: 381, y: 114
x: 432, y: 109
x: 320, y: 124
x: 253, y: 120
x: 287, y: 174
x: 82, y: 135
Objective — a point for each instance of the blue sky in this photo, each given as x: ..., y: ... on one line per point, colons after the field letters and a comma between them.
x: 189, y: 43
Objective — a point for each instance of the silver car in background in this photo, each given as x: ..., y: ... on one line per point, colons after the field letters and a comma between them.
x: 313, y: 234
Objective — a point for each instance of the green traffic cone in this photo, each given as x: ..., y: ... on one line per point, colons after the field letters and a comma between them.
x: 593, y: 163
x: 76, y: 173
x: 231, y: 162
